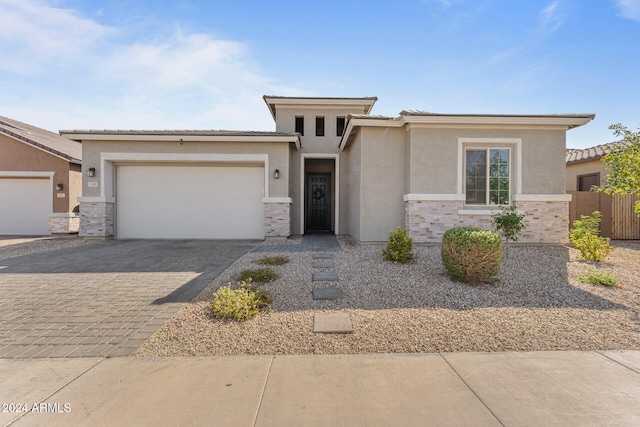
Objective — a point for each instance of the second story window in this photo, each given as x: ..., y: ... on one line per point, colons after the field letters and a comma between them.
x: 319, y: 126
x: 300, y: 125
x: 339, y: 126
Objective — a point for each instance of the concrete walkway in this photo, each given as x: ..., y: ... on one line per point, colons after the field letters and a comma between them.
x: 319, y: 242
x: 449, y: 389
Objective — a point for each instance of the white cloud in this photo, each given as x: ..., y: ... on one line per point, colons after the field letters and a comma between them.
x: 550, y: 17
x: 629, y: 8
x: 34, y: 34
x: 66, y: 71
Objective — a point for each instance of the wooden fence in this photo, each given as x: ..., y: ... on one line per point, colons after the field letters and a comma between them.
x: 619, y: 221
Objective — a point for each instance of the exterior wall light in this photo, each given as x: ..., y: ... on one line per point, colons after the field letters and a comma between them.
x: 91, y: 172
x: 276, y: 174
x: 59, y: 187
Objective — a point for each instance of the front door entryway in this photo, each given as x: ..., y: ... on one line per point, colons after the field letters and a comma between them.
x: 318, y: 212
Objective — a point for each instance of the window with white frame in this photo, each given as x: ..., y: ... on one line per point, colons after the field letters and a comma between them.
x: 487, y: 176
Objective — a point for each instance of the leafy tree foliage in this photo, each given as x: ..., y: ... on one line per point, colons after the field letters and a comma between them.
x: 623, y: 164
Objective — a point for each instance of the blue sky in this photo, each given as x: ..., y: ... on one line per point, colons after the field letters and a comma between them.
x: 154, y: 64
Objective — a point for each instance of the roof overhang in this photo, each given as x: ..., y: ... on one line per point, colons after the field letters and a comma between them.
x: 42, y: 147
x: 488, y: 121
x: 364, y: 104
x: 177, y: 136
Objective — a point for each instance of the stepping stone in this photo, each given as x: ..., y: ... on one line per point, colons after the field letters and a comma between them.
x: 325, y: 276
x: 332, y: 323
x: 323, y: 264
x: 322, y: 255
x: 327, y: 293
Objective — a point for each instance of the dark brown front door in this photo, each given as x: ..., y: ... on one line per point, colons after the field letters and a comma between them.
x: 318, y: 202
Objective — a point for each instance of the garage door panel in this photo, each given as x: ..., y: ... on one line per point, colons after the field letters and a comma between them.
x: 190, y: 202
x: 25, y: 206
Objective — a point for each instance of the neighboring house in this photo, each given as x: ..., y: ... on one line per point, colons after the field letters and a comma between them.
x: 585, y: 170
x: 330, y: 167
x: 40, y: 180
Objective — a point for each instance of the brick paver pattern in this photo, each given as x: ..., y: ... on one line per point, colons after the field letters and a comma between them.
x: 104, y: 299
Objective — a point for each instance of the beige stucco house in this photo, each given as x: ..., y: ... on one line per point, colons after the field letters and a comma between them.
x: 40, y: 180
x: 330, y: 166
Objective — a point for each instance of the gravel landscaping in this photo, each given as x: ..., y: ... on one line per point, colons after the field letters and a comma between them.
x: 537, y: 304
x: 13, y: 247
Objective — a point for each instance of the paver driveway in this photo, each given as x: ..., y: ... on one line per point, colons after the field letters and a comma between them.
x: 103, y: 299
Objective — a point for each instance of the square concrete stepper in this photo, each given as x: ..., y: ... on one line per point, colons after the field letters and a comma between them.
x: 322, y: 255
x: 323, y: 264
x: 327, y: 293
x: 329, y: 276
x: 332, y: 323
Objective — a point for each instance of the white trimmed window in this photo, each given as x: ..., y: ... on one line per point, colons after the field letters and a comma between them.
x: 487, y: 177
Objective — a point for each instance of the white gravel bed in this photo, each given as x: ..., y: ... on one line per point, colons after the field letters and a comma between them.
x: 537, y: 304
x: 12, y: 248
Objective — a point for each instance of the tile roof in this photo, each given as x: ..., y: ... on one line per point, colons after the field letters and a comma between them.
x: 42, y: 139
x: 576, y: 155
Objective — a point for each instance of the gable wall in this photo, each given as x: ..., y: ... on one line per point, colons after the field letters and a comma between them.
x: 278, y: 158
x: 18, y: 156
x: 584, y: 168
x: 433, y: 159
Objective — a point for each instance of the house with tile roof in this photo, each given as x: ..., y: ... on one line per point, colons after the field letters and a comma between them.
x: 330, y: 166
x: 40, y: 180
x: 586, y: 170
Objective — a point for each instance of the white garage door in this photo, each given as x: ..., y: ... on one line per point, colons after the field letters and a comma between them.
x: 25, y: 205
x: 206, y: 202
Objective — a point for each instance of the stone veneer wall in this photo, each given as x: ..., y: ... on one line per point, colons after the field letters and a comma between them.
x: 96, y: 219
x: 277, y: 219
x: 64, y: 223
x: 426, y: 221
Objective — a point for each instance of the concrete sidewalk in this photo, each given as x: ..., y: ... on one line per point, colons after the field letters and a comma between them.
x: 449, y: 389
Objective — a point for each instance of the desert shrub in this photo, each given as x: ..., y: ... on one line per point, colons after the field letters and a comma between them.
x: 471, y: 255
x: 265, y: 274
x: 242, y: 303
x: 400, y: 246
x: 596, y: 277
x: 273, y: 260
x: 585, y: 236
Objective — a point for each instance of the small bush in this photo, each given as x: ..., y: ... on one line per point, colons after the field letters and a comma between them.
x: 240, y: 304
x: 471, y: 255
x: 400, y: 246
x: 273, y: 260
x: 265, y: 274
x: 596, y: 277
x: 585, y: 236
x: 509, y: 223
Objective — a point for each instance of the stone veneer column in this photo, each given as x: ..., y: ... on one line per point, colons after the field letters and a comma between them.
x: 277, y: 217
x: 64, y: 223
x: 96, y: 219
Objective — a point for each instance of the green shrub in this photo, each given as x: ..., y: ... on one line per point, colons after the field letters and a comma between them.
x: 509, y: 223
x: 400, y: 246
x: 471, y: 255
x: 242, y: 303
x: 265, y: 274
x: 585, y: 236
x: 273, y: 260
x: 596, y: 277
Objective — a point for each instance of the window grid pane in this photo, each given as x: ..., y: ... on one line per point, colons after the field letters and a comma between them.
x: 476, y: 181
x: 498, y: 177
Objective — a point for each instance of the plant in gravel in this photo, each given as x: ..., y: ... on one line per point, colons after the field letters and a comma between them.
x: 241, y: 303
x: 596, y: 277
x: 509, y: 223
x: 273, y: 260
x: 585, y: 236
x: 400, y: 246
x: 471, y: 255
x: 265, y: 274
